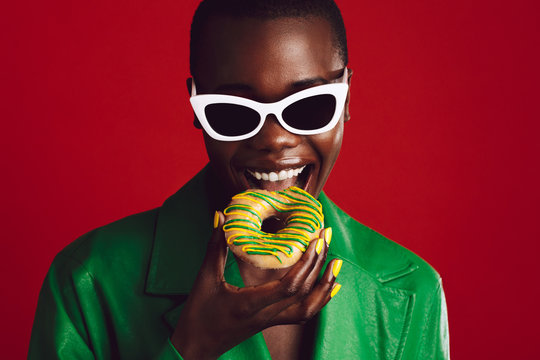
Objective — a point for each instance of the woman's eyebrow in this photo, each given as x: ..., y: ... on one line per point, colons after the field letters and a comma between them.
x: 232, y: 88
x: 310, y: 82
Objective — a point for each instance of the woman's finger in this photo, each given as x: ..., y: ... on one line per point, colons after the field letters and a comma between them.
x: 265, y: 301
x: 256, y: 298
x: 311, y: 279
x: 321, y: 294
x: 216, y: 253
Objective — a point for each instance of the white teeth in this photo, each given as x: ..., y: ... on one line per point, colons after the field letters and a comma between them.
x: 273, y: 176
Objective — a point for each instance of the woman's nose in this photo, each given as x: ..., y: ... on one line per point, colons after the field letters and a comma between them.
x: 273, y: 137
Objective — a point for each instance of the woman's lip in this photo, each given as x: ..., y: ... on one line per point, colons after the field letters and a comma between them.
x: 309, y: 180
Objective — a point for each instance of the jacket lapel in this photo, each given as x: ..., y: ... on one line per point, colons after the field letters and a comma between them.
x: 182, y: 231
x: 367, y: 319
x: 364, y: 320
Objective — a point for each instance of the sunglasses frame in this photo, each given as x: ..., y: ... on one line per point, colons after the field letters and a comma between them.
x: 338, y: 90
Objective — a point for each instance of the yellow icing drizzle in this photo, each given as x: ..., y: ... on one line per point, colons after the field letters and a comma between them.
x: 301, y: 212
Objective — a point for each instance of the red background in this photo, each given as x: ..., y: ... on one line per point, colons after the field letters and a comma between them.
x: 441, y: 153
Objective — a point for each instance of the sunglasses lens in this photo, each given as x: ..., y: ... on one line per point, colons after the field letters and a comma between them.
x: 231, y: 119
x: 311, y: 113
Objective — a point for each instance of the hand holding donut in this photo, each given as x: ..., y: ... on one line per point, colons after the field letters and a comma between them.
x: 217, y: 316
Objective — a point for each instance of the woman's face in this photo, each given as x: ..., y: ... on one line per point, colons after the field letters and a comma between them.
x: 267, y: 60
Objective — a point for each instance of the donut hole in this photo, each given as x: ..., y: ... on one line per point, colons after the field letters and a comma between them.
x: 273, y: 224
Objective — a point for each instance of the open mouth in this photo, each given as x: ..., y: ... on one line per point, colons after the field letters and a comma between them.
x: 279, y: 180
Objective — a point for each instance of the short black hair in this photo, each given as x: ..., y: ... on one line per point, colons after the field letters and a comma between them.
x: 267, y: 10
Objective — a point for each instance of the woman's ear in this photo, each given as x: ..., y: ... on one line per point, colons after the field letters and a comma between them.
x: 346, y: 113
x: 189, y: 83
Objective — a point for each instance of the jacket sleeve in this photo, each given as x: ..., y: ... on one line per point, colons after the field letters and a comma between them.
x: 70, y: 320
x: 59, y: 330
x: 435, y: 338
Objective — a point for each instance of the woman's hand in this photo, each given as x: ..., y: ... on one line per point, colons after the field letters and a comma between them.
x: 217, y: 316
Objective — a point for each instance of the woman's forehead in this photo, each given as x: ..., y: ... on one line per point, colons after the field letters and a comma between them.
x: 258, y: 52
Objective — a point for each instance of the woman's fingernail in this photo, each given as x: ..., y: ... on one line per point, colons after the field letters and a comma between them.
x: 335, y: 290
x: 337, y: 267
x: 328, y: 235
x: 216, y: 220
x: 318, y: 247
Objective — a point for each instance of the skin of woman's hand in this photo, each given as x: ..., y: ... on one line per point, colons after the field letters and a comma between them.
x: 218, y: 316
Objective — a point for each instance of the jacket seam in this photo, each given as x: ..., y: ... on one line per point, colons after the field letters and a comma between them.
x: 69, y: 257
x: 405, y: 327
x: 428, y: 318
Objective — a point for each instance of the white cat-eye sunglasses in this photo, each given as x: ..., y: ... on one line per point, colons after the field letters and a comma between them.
x: 308, y: 112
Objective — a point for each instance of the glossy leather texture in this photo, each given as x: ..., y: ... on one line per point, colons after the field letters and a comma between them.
x: 117, y: 292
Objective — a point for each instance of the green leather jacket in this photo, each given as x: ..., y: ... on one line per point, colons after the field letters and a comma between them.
x: 117, y: 292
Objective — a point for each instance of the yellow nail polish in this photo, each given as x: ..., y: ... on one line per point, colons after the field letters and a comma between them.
x: 216, y: 220
x: 335, y: 290
x: 318, y: 247
x: 328, y: 235
x: 337, y: 267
